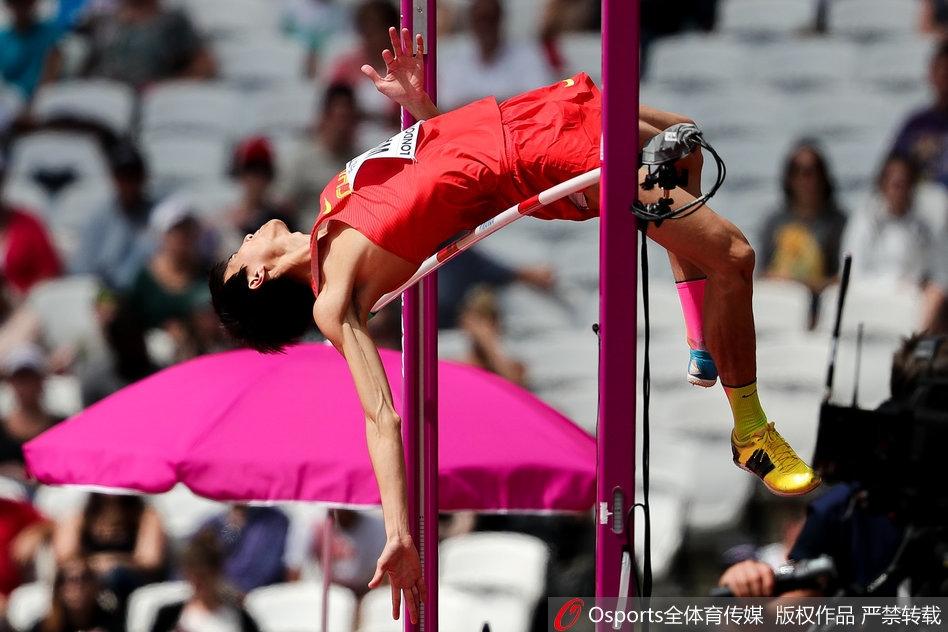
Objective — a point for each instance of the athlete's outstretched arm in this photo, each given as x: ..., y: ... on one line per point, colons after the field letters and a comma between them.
x: 335, y: 315
x: 405, y: 81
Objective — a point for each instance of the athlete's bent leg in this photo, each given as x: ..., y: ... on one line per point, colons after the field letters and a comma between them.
x: 719, y: 248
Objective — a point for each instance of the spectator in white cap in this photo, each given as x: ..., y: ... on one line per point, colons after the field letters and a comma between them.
x: 24, y: 370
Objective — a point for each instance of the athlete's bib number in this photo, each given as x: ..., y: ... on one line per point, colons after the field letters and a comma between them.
x: 401, y: 145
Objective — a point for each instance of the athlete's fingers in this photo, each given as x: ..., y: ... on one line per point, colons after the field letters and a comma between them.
x: 420, y: 43
x: 406, y: 42
x: 412, y: 606
x: 370, y: 72
x: 396, y: 42
x: 422, y: 589
x: 388, y: 58
x: 396, y: 602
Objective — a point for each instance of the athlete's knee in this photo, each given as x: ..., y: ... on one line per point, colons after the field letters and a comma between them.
x: 740, y: 259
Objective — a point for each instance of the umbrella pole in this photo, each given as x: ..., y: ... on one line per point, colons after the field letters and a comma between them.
x: 615, y: 437
x: 326, y: 555
x: 420, y: 372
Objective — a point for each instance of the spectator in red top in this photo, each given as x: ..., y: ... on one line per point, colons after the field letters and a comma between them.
x: 27, y: 255
x: 22, y: 530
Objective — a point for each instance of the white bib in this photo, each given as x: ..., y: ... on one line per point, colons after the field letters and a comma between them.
x: 401, y: 145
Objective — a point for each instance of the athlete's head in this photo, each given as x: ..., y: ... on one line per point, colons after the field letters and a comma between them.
x: 261, y: 299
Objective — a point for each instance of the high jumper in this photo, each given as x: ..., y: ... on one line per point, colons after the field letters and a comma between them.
x: 396, y: 204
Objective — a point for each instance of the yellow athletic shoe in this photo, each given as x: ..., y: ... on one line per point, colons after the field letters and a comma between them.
x: 768, y: 456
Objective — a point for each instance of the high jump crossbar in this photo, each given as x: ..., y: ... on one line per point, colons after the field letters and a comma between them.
x: 491, y: 226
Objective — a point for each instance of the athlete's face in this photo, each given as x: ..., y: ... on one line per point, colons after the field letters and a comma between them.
x: 258, y: 253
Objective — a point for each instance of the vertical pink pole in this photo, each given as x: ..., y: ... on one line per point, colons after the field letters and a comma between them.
x: 615, y: 435
x: 420, y: 371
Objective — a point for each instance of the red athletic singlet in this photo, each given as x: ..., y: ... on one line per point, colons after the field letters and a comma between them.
x: 441, y: 177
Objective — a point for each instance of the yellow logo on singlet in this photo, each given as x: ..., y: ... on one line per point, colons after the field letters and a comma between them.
x: 569, y: 83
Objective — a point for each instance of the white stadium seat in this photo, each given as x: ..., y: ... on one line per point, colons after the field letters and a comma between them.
x: 693, y: 61
x: 183, y: 513
x: 499, y: 562
x: 458, y: 611
x: 297, y: 606
x: 108, y: 102
x: 192, y: 107
x: 11, y: 104
x: 182, y: 160
x: 887, y: 313
x: 234, y: 18
x: 871, y: 18
x: 58, y: 151
x: 765, y: 18
x: 28, y: 604
x: 582, y: 53
x: 780, y: 307
x: 144, y: 603
x: 804, y: 64
x: 211, y: 196
x: 896, y: 65
x: 284, y: 109
x: 261, y: 61
x: 66, y: 309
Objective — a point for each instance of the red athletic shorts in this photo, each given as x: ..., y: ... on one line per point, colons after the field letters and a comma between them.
x: 552, y: 135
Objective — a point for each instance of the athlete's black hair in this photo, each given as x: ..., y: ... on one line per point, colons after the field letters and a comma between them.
x: 267, y: 319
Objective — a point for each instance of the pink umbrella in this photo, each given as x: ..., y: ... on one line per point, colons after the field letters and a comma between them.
x: 244, y: 426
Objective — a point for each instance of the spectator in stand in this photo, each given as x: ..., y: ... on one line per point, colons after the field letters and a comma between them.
x: 313, y: 22
x: 330, y: 145
x: 77, y: 603
x: 172, y: 285
x: 472, y: 268
x: 480, y: 318
x: 486, y: 62
x: 213, y: 606
x: 116, y: 243
x: 254, y: 541
x: 29, y: 54
x: 888, y: 241
x: 122, y: 539
x: 27, y: 255
x: 933, y: 18
x: 801, y: 238
x: 563, y: 16
x: 25, y: 371
x: 358, y: 538
x: 924, y: 136
x: 22, y: 531
x: 142, y: 42
x: 372, y: 20
x: 254, y: 168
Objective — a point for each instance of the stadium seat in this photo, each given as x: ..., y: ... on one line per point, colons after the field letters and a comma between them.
x: 26, y: 194
x: 804, y: 64
x: 59, y: 503
x: 192, y: 107
x: 793, y: 363
x: 457, y: 611
x: 738, y: 114
x: 886, y: 313
x: 27, y: 605
x: 667, y: 514
x: 210, y: 196
x: 751, y: 163
x: 107, y: 102
x: 780, y: 307
x: 62, y: 396
x: 144, y: 603
x: 11, y: 104
x: 56, y: 160
x: 855, y: 160
x: 871, y: 18
x: 582, y: 53
x: 765, y: 18
x: 234, y: 19
x: 896, y: 65
x: 498, y: 562
x: 182, y: 512
x: 528, y: 312
x: 72, y: 211
x: 284, y: 109
x: 65, y: 308
x: 261, y: 61
x: 840, y: 114
x: 181, y: 160
x: 557, y: 358
x: 297, y: 606
x: 698, y: 61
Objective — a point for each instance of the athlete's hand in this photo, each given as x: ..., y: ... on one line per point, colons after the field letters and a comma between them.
x: 404, y: 81
x: 399, y: 560
x: 749, y: 578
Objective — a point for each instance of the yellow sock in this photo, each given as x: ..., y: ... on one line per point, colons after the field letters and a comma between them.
x: 749, y: 417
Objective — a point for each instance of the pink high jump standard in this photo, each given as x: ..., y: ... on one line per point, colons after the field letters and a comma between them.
x: 617, y: 306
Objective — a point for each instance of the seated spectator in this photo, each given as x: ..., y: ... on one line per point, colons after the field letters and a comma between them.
x: 29, y: 55
x: 563, y: 16
x: 27, y: 255
x: 485, y: 62
x: 889, y: 242
x: 254, y: 541
x: 358, y: 538
x: 213, y: 606
x: 116, y: 243
x: 472, y: 268
x: 122, y: 539
x: 313, y: 22
x: 254, y: 168
x: 330, y: 145
x: 933, y: 18
x: 77, y: 603
x: 924, y: 136
x: 480, y: 318
x: 801, y: 239
x: 22, y: 531
x: 172, y: 285
x: 25, y: 371
x: 372, y: 20
x: 142, y: 42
